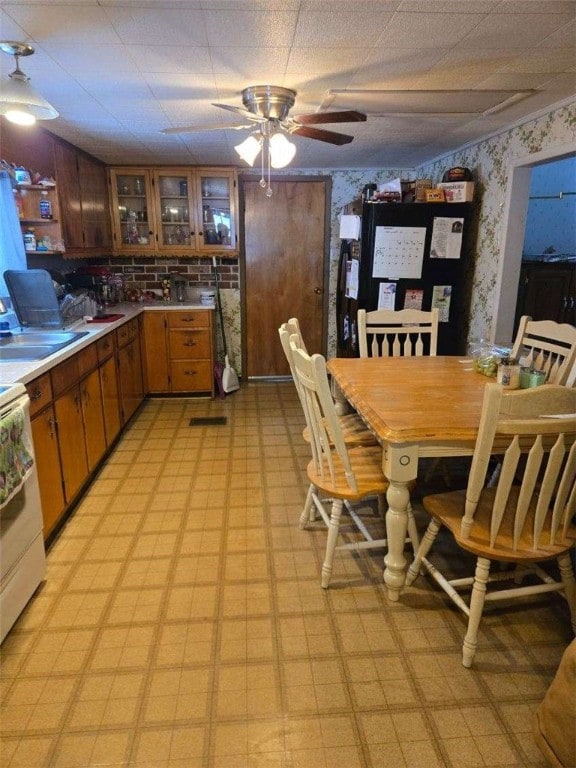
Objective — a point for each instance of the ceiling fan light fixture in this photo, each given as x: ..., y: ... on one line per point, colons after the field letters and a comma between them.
x: 282, y: 151
x: 19, y: 102
x: 249, y: 149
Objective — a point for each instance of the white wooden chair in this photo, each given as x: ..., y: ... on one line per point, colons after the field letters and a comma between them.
x: 345, y: 474
x: 354, y: 429
x: 526, y: 518
x: 401, y: 333
x: 571, y: 378
x: 395, y: 333
x: 546, y: 346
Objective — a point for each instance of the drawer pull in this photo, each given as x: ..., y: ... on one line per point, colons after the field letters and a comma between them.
x: 189, y: 343
x: 187, y: 319
x: 190, y: 373
x: 36, y: 394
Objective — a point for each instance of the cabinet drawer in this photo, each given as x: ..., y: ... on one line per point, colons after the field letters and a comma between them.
x: 87, y: 359
x: 127, y: 332
x: 65, y: 375
x: 189, y: 344
x: 191, y: 319
x: 40, y: 393
x: 105, y: 347
x: 191, y: 376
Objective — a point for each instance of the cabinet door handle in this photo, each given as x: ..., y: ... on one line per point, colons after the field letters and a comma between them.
x: 53, y: 424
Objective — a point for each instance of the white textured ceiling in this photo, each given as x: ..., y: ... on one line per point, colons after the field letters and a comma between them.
x: 119, y: 71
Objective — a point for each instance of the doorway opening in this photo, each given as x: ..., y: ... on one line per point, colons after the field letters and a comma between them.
x: 514, y: 229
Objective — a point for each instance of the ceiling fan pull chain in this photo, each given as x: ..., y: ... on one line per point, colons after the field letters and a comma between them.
x: 268, y: 188
x: 262, y: 180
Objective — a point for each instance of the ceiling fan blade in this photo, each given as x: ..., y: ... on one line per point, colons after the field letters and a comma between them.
x: 347, y: 116
x: 200, y: 128
x: 243, y: 112
x: 316, y: 133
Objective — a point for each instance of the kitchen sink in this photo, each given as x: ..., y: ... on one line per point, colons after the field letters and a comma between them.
x: 36, y: 345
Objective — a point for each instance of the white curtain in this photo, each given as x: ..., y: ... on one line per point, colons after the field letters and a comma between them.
x: 12, y: 253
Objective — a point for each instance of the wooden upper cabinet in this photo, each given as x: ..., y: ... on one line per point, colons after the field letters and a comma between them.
x: 174, y: 211
x: 69, y: 193
x: 95, y: 208
x: 83, y: 189
x: 132, y: 204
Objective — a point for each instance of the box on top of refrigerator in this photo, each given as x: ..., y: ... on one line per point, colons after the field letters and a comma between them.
x: 458, y: 191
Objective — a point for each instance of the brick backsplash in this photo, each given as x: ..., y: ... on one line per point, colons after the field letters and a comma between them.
x: 147, y: 273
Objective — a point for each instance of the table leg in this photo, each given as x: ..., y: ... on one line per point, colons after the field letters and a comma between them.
x: 342, y: 405
x: 400, y: 467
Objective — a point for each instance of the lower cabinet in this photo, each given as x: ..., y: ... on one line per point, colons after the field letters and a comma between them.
x: 46, y: 451
x: 179, y: 351
x: 110, y: 399
x: 93, y: 418
x: 69, y: 426
x: 130, y: 379
x: 78, y: 408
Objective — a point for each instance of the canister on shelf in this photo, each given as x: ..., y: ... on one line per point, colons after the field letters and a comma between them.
x: 29, y: 240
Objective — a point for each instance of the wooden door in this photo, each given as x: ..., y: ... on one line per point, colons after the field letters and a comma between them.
x: 285, y: 245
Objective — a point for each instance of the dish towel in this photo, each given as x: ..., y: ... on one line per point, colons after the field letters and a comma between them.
x: 16, y: 459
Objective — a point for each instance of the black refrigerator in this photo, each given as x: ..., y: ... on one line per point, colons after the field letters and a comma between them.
x: 408, y: 255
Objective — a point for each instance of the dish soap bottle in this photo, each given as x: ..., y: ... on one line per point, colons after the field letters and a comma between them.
x: 45, y: 207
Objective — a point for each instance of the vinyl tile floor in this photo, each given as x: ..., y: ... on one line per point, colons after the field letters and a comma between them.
x: 182, y: 623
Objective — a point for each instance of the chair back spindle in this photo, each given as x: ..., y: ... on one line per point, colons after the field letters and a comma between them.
x: 535, y: 431
x: 546, y: 346
x: 402, y: 333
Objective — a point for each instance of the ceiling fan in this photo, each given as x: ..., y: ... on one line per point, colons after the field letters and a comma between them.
x: 266, y: 111
x: 266, y: 108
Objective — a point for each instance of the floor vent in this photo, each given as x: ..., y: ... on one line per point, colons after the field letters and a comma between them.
x: 208, y: 421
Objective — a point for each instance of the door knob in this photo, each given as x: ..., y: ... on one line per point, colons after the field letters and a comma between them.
x: 317, y: 290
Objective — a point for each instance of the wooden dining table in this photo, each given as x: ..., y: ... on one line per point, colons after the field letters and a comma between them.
x: 416, y: 407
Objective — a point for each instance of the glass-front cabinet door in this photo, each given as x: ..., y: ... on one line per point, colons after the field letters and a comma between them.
x: 132, y: 208
x: 175, y: 211
x: 216, y: 212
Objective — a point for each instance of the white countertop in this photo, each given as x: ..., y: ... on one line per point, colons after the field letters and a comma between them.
x: 25, y: 371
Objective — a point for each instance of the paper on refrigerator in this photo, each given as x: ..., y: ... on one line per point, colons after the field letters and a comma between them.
x: 352, y: 271
x: 349, y: 227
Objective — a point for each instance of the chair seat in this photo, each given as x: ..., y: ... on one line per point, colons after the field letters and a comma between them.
x: 447, y: 508
x: 366, y: 463
x: 354, y: 430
